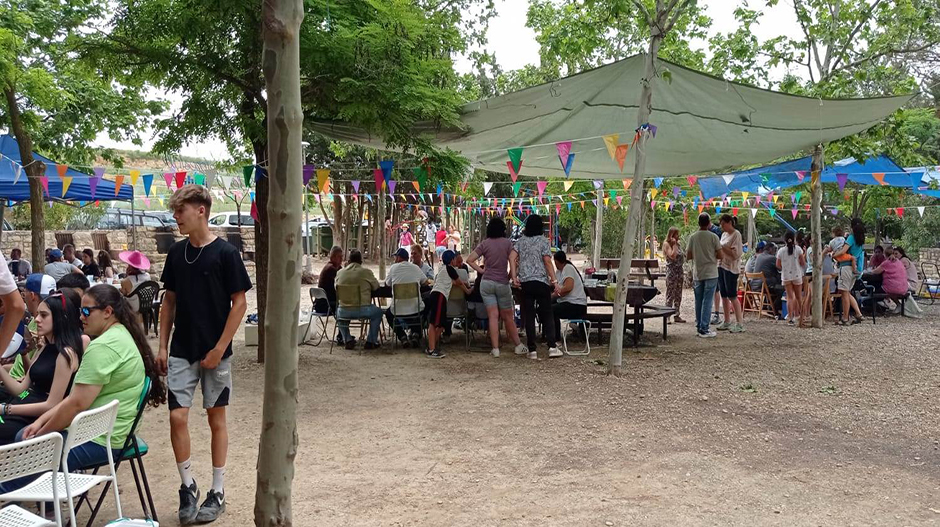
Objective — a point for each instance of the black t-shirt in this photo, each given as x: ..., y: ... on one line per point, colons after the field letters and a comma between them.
x: 327, y: 281
x: 91, y: 270
x: 204, y: 290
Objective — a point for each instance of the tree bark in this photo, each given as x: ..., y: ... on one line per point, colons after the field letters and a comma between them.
x: 599, y: 229
x: 34, y: 170
x: 816, y: 228
x: 339, y: 237
x: 278, y: 443
x: 615, y: 352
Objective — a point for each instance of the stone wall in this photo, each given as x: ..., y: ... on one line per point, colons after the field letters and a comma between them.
x: 930, y: 255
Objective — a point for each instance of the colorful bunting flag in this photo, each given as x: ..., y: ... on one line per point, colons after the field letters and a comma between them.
x: 611, y: 142
x: 567, y: 185
x: 386, y: 167
x: 842, y: 179
x: 541, y: 186
x: 921, y: 211
x: 62, y: 170
x: 794, y: 212
x: 899, y: 211
x: 486, y: 188
x: 180, y: 179
x: 308, y: 174
x: 66, y: 181
x: 879, y: 177
x: 118, y: 181
x: 515, y: 189
x: 753, y: 213
x: 391, y: 186
x: 148, y: 181
x: 692, y: 180
x: 515, y: 159
x: 626, y: 183
x: 657, y: 182
x: 621, y: 155
x: 17, y: 171
x: 247, y: 170
x: 620, y: 200
x: 379, y: 180
x: 45, y: 184
x: 134, y: 175
x: 598, y: 184
x: 800, y: 174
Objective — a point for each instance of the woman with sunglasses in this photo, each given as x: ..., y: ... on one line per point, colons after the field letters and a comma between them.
x: 49, y: 377
x: 113, y: 367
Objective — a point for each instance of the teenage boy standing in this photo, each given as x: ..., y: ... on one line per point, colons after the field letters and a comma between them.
x: 205, y: 283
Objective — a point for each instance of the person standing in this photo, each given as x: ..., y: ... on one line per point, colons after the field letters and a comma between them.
x: 704, y: 250
x: 206, y: 282
x: 675, y: 275
x: 729, y: 268
x: 850, y: 256
x: 440, y: 242
x: 791, y: 261
x: 406, y: 239
x: 530, y: 267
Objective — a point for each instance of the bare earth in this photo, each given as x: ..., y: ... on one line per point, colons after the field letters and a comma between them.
x: 775, y: 426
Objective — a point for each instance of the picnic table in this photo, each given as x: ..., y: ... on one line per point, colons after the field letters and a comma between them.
x: 385, y: 291
x: 640, y: 268
x: 638, y: 296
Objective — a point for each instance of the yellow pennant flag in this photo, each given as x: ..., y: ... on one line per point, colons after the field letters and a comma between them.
x: 744, y: 196
x: 815, y: 179
x: 118, y: 181
x: 66, y: 181
x: 653, y: 193
x: 134, y: 175
x: 611, y: 142
x: 323, y: 180
x: 568, y: 185
x: 606, y: 201
x: 776, y: 197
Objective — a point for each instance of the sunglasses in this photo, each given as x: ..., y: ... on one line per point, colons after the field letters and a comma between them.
x: 86, y: 311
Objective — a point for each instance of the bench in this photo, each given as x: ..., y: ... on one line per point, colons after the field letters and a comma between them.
x: 871, y: 295
x: 640, y: 269
x: 640, y: 314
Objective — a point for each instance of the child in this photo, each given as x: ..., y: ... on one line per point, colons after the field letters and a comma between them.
x: 836, y: 243
x: 446, y: 279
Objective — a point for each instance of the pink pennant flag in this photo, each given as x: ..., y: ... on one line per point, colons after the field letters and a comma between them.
x: 564, y: 148
x: 45, y: 184
x: 801, y: 174
x: 168, y: 177
x: 692, y: 180
x: 794, y: 212
x: 147, y: 201
x: 541, y: 186
x: 512, y: 170
x: 379, y: 179
x: 620, y: 200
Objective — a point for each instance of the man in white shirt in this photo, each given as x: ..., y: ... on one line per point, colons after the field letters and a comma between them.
x: 405, y: 272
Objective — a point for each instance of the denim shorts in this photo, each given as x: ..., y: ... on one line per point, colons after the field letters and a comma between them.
x: 496, y: 294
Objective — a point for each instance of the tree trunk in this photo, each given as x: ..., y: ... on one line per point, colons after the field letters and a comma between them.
x: 615, y: 352
x: 641, y: 237
x: 653, y: 233
x: 383, y: 235
x: 816, y: 228
x: 339, y: 237
x: 278, y: 443
x: 359, y: 230
x: 34, y: 170
x: 599, y: 229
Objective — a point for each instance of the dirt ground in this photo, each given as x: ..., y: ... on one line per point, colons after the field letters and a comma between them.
x: 775, y: 426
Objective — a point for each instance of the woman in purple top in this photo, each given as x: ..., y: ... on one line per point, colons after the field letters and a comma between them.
x: 494, y: 287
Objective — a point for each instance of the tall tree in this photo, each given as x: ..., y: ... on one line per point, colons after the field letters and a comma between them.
x: 54, y: 102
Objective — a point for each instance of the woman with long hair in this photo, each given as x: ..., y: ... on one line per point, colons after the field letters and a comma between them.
x: 89, y: 265
x: 494, y: 287
x: 909, y: 268
x: 791, y: 261
x: 572, y: 301
x: 729, y: 268
x: 49, y: 377
x: 530, y: 267
x: 105, y: 267
x: 674, y: 272
x: 849, y: 270
x: 114, y: 366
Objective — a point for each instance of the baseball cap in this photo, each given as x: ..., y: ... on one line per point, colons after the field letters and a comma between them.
x: 55, y: 253
x: 41, y: 284
x: 401, y: 253
x: 448, y: 257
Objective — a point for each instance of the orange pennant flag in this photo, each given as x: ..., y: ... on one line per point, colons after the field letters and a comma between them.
x: 118, y: 181
x: 626, y: 183
x: 417, y: 185
x: 879, y: 177
x: 62, y: 169
x: 621, y: 154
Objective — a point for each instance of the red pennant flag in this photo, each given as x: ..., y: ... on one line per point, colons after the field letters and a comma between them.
x: 899, y: 211
x: 379, y: 179
x: 692, y: 180
x: 254, y: 209
x: 180, y: 179
x: 513, y: 171
x: 62, y: 170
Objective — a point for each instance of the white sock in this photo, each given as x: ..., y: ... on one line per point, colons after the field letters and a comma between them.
x: 218, y: 475
x: 186, y: 474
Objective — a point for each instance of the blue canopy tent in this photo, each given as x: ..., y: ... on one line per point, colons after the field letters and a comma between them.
x: 784, y: 175
x: 79, y: 189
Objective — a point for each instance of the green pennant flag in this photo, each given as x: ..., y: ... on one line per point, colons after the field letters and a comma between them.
x: 200, y: 179
x: 515, y: 188
x: 246, y: 173
x: 421, y: 174
x: 613, y: 194
x: 765, y: 179
x: 515, y: 156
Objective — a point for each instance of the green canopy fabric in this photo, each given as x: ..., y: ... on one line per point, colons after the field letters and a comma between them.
x: 703, y: 123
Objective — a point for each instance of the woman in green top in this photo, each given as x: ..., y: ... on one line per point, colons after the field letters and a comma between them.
x: 113, y: 367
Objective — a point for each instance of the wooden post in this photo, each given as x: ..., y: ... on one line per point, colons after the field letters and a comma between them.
x: 653, y: 233
x: 281, y: 21
x: 380, y: 223
x: 816, y: 227
x: 641, y: 236
x: 599, y: 229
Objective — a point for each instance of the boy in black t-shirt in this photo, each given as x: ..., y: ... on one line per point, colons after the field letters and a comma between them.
x: 205, y: 283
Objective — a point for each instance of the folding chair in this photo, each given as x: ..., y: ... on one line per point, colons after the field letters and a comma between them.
x: 317, y: 293
x: 808, y: 301
x: 457, y: 308
x: 33, y: 456
x: 406, y: 298
x: 566, y: 325
x: 347, y: 296
x: 86, y: 426
x: 134, y: 449
x: 930, y: 285
x: 760, y: 301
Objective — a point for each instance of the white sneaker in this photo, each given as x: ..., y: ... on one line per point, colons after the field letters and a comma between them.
x: 709, y: 335
x: 533, y: 355
x: 521, y: 349
x: 724, y: 326
x: 737, y: 328
x: 494, y: 352
x: 554, y: 352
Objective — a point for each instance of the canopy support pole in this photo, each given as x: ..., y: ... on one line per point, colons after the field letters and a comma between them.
x: 599, y: 229
x: 816, y: 227
x: 133, y: 221
x: 641, y: 237
x: 383, y: 250
x: 3, y: 209
x: 307, y: 263
x: 653, y: 233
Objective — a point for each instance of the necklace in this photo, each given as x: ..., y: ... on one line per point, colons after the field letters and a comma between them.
x: 186, y: 250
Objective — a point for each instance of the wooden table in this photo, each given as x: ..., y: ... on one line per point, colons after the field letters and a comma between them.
x: 638, y: 297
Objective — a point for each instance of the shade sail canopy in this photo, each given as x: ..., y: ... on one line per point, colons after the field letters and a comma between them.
x: 12, y: 189
x: 703, y: 123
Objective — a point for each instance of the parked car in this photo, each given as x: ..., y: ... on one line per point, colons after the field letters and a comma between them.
x: 164, y: 215
x: 231, y: 219
x: 7, y: 226
x: 124, y: 218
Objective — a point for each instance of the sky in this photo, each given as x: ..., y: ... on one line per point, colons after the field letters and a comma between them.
x: 515, y: 46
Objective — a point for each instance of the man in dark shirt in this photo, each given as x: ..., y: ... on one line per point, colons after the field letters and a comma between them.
x: 766, y: 263
x: 327, y: 280
x: 205, y: 281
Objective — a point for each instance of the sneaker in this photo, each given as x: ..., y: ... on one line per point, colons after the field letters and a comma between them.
x: 189, y: 499
x: 716, y: 319
x: 791, y: 322
x: 737, y: 328
x: 436, y: 354
x: 724, y: 326
x: 521, y: 349
x: 708, y: 335
x: 554, y: 352
x: 415, y: 342
x: 533, y: 355
x: 350, y: 344
x: 494, y: 352
x: 212, y: 508
x: 371, y: 345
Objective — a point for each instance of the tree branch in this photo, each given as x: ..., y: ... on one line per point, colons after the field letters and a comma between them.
x: 646, y: 14
x: 676, y: 14
x: 858, y: 27
x: 810, y: 42
x: 883, y: 53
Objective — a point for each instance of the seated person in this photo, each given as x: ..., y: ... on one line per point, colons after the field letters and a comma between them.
x: 57, y: 268
x: 136, y: 274
x: 89, y: 265
x: 38, y: 287
x: 417, y: 258
x: 571, y: 301
x: 327, y: 281
x: 766, y: 262
x: 113, y: 367
x: 73, y: 282
x: 463, y: 271
x: 49, y: 377
x: 878, y: 257
x: 356, y: 275
x: 405, y: 272
x: 19, y: 267
x: 893, y: 274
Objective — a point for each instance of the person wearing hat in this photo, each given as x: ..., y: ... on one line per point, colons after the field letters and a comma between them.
x: 406, y: 238
x: 447, y: 278
x: 56, y: 267
x: 136, y: 274
x: 405, y: 272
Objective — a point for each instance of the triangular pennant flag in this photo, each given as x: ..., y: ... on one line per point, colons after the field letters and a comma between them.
x: 254, y: 211
x: 773, y: 212
x: 753, y: 213
x: 728, y: 178
x: 515, y: 159
x: 148, y: 181
x: 66, y: 181
x: 842, y: 179
x: 391, y: 186
x: 45, y: 184
x: 626, y: 183
x: 652, y: 204
x: 701, y: 207
x: 744, y: 196
x: 386, y: 166
x: 486, y: 188
x: 323, y: 180
x: 246, y: 174
x: 98, y: 171
x: 675, y: 192
x: 567, y: 165
x: 308, y: 174
x: 62, y: 170
x: 800, y: 174
x: 180, y: 179
x: 921, y: 211
x: 794, y: 212
x: 515, y: 189
x: 168, y: 177
x: 653, y: 193
x: 734, y: 211
x: 798, y: 194
x: 118, y: 181
x: 567, y: 185
x: 211, y: 174
x: 692, y: 180
x: 598, y: 184
x: 606, y: 201
x: 899, y: 211
x: 541, y: 186
x: 17, y: 172
x: 564, y: 148
x: 147, y: 202
x: 620, y: 200
x: 834, y: 211
x: 657, y: 182
x: 355, y: 185
x: 621, y: 155
x: 569, y: 206
x: 134, y: 175
x: 879, y: 177
x: 379, y: 180
x: 513, y: 171
x: 199, y: 179
x: 440, y: 190
x: 417, y: 185
x: 611, y: 142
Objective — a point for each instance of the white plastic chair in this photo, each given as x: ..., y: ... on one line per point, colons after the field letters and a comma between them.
x: 33, y: 456
x: 317, y: 293
x: 87, y: 425
x: 586, y: 324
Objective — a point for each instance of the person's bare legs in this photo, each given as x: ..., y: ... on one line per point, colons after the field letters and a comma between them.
x: 792, y: 309
x: 798, y: 300
x: 492, y: 313
x: 847, y: 304
x: 179, y: 434
x: 511, y: 331
x: 726, y: 308
x: 219, y: 429
x: 738, y: 312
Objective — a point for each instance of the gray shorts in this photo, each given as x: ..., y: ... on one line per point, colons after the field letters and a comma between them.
x: 846, y: 279
x: 496, y: 294
x: 182, y: 378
